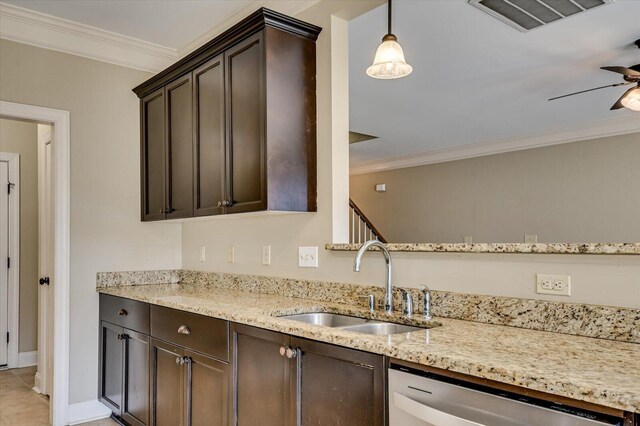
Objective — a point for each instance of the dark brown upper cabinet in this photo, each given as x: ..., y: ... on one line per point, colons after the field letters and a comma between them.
x: 231, y: 128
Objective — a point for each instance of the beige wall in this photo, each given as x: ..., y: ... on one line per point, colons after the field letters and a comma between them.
x: 576, y: 192
x: 22, y: 138
x: 106, y: 232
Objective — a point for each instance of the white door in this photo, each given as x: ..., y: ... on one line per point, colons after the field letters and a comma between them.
x: 4, y: 255
x: 45, y: 245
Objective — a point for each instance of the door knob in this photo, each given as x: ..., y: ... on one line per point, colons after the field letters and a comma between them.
x: 44, y: 280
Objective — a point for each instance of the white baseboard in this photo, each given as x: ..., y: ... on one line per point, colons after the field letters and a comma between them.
x: 37, y: 383
x: 87, y: 411
x: 27, y: 359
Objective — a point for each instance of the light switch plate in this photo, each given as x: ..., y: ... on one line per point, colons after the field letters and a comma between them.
x: 558, y: 285
x: 231, y: 254
x: 308, y: 257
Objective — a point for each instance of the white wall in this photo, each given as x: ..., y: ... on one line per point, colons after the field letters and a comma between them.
x: 106, y: 232
x: 595, y: 279
x: 584, y: 191
x: 21, y: 137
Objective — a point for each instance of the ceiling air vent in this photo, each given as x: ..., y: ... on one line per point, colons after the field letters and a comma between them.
x: 526, y: 15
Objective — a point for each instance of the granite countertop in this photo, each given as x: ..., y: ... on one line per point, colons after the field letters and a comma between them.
x: 538, y: 248
x: 599, y: 371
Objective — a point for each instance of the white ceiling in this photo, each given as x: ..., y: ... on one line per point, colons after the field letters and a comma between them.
x: 169, y: 23
x: 476, y: 79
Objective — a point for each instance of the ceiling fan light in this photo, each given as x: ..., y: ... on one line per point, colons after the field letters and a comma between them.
x: 632, y: 100
x: 389, y: 62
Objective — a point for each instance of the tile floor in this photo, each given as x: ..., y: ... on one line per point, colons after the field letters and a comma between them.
x: 21, y: 406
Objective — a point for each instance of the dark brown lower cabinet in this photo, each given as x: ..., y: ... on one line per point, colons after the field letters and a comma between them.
x: 124, y: 383
x: 283, y: 380
x: 337, y: 385
x: 262, y: 378
x: 187, y: 388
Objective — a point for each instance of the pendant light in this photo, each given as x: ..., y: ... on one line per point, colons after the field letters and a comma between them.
x: 389, y: 61
x: 631, y: 99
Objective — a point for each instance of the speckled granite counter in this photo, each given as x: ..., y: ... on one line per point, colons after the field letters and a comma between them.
x: 599, y: 371
x: 538, y: 248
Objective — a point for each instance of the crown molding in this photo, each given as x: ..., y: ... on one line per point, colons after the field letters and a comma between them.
x: 50, y: 32
x: 291, y: 8
x: 598, y: 129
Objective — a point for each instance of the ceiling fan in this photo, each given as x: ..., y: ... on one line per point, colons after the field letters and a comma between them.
x: 631, y: 75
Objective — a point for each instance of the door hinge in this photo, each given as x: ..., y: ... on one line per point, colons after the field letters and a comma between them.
x: 7, y: 337
x: 10, y: 186
x: 8, y: 262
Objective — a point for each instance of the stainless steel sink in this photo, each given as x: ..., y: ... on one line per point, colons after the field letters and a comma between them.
x: 326, y: 319
x: 382, y: 328
x: 355, y: 324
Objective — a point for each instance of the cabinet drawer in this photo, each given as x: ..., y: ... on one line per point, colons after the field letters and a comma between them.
x: 127, y: 313
x: 206, y: 335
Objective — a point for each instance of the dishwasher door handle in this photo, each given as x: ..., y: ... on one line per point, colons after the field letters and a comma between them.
x: 429, y: 414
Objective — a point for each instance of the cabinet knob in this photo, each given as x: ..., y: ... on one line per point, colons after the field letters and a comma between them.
x: 122, y: 312
x: 291, y: 353
x: 219, y: 203
x: 183, y: 329
x: 180, y: 360
x: 162, y: 211
x: 283, y: 350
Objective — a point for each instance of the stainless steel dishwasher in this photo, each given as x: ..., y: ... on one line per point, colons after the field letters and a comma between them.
x: 417, y: 398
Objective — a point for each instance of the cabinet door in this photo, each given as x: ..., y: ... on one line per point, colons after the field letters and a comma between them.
x: 262, y: 378
x: 179, y: 179
x: 153, y: 156
x: 209, y: 142
x: 207, y: 391
x: 245, y: 76
x: 111, y: 363
x: 167, y: 384
x: 135, y: 402
x: 337, y: 385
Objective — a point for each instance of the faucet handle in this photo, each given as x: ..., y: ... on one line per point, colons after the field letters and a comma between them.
x: 426, y: 302
x: 371, y: 299
x: 407, y: 302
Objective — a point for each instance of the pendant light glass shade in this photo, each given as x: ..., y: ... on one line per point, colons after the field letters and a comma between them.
x: 632, y: 100
x: 389, y: 61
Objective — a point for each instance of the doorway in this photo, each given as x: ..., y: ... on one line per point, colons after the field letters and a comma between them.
x: 58, y: 289
x: 26, y: 224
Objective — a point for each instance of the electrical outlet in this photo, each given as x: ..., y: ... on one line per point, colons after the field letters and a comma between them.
x: 530, y: 238
x: 266, y: 255
x: 559, y: 285
x: 203, y: 254
x: 308, y: 257
x: 231, y: 254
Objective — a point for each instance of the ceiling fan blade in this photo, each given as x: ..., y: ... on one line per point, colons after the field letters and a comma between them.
x: 622, y: 70
x: 590, y: 90
x: 618, y: 104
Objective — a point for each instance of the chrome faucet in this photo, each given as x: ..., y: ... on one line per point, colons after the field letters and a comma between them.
x: 388, y: 297
x: 426, y: 302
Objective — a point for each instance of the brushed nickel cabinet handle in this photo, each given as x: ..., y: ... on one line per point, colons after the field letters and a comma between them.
x: 291, y: 353
x: 183, y: 329
x: 122, y: 312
